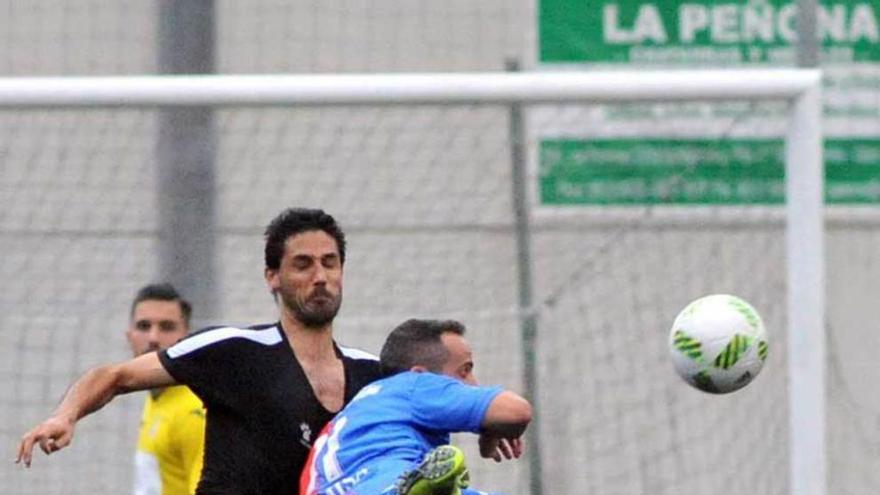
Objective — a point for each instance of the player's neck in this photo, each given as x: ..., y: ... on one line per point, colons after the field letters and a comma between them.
x: 312, y: 344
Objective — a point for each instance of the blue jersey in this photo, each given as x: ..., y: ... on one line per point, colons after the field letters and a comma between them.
x: 388, y: 428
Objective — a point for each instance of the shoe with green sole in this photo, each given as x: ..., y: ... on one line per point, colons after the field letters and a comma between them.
x: 442, y: 472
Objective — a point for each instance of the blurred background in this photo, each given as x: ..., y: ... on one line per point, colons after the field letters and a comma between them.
x: 565, y: 237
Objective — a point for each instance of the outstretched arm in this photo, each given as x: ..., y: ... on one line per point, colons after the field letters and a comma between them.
x: 88, y: 394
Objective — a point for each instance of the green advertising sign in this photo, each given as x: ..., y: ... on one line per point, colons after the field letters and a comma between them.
x: 695, y: 171
x: 702, y: 32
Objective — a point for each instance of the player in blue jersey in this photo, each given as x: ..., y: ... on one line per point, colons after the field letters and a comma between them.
x: 392, y: 438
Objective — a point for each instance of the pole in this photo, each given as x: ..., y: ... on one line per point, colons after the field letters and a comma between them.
x: 528, y: 315
x: 806, y: 296
x: 185, y: 152
x: 806, y: 316
x: 808, y: 40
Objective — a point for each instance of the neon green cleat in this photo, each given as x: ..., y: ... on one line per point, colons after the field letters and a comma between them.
x: 442, y: 472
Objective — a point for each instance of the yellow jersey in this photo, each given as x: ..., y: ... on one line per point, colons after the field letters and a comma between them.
x: 171, y: 443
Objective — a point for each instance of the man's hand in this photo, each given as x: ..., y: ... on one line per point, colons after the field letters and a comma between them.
x: 498, y: 448
x: 52, y: 434
x: 89, y: 393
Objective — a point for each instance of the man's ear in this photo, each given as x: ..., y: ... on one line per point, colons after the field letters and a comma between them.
x: 271, y: 276
x: 419, y: 369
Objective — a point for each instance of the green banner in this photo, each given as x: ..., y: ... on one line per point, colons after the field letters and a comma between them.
x: 703, y: 32
x: 695, y: 171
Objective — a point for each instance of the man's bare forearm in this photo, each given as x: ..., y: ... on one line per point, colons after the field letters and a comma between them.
x: 90, y: 392
x: 100, y: 385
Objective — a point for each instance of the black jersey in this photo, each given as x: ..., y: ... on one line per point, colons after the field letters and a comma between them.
x: 262, y: 413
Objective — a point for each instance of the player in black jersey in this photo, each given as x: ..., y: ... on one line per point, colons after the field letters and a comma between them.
x: 268, y: 389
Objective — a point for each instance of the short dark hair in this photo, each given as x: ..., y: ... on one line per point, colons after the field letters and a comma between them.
x: 293, y: 221
x: 417, y: 343
x: 162, y: 292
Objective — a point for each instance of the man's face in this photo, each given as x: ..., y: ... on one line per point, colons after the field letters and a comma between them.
x: 460, y: 364
x: 155, y: 325
x: 309, y: 278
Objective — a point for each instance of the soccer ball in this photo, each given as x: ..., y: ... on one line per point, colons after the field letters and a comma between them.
x: 718, y: 343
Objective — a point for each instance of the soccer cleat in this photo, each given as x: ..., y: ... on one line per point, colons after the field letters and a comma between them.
x: 442, y: 472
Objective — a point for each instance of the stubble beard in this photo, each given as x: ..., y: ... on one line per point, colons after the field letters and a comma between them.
x: 313, y: 316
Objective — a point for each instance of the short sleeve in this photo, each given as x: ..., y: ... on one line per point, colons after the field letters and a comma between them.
x: 443, y: 403
x: 200, y: 361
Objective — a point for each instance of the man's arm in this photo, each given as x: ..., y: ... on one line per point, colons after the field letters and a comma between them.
x: 507, y: 416
x: 505, y: 421
x: 88, y: 394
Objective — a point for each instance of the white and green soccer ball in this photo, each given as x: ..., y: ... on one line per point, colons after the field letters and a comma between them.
x: 718, y: 343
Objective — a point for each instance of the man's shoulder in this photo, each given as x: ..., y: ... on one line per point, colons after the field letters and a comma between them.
x: 224, y: 336
x: 355, y: 354
x: 399, y: 383
x: 431, y: 377
x: 429, y: 383
x: 236, y: 330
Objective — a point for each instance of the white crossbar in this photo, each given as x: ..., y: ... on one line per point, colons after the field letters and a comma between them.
x: 425, y: 88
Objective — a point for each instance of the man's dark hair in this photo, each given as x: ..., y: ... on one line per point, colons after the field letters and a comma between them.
x: 294, y: 221
x: 417, y: 343
x: 162, y: 292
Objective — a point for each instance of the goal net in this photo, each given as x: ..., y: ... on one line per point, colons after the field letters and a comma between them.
x: 428, y: 198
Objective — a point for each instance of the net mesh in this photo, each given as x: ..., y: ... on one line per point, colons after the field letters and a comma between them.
x: 424, y: 194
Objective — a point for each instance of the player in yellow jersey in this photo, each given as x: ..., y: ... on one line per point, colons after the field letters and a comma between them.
x: 172, y: 434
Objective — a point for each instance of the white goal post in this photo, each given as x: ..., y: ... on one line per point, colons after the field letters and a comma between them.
x: 803, y: 157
